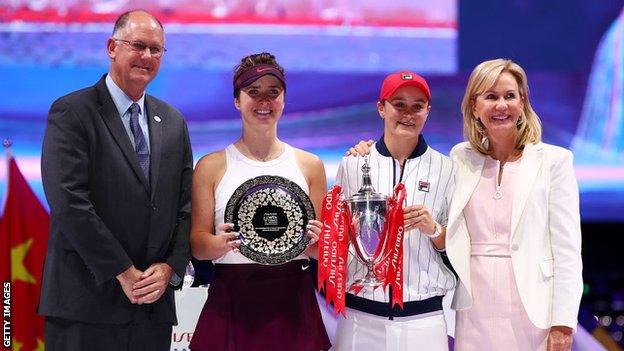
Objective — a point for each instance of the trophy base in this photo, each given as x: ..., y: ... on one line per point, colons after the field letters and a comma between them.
x: 367, y: 282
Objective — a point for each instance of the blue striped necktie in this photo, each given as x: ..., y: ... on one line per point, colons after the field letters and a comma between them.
x: 139, y: 140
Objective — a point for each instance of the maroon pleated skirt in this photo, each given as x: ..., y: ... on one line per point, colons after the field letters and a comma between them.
x: 256, y: 307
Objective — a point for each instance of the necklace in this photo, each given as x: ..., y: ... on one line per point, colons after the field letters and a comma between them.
x: 270, y: 156
x: 498, y: 191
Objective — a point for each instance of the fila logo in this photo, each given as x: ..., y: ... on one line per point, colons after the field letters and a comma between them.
x: 423, y: 186
x: 406, y: 76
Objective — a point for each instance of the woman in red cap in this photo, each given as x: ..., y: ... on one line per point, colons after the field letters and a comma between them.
x: 252, y: 306
x: 402, y: 155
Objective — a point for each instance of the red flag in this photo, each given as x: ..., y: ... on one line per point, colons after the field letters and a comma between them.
x: 23, y: 241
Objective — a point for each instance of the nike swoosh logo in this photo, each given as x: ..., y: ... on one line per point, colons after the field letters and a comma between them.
x: 260, y: 70
x: 303, y: 268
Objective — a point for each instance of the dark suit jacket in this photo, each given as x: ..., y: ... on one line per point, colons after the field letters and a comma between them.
x: 105, y: 215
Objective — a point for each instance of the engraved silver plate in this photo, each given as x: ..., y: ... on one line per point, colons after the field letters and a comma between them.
x: 271, y: 214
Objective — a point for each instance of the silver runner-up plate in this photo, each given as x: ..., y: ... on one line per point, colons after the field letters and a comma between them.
x: 271, y: 214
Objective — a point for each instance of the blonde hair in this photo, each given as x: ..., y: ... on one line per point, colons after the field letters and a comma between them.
x: 482, y: 78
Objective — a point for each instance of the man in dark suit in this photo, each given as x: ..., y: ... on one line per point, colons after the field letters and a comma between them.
x: 116, y: 169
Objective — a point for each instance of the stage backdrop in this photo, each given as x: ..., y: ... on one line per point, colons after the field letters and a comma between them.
x: 336, y: 54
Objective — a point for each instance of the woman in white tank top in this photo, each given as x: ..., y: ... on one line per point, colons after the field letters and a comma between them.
x: 252, y: 306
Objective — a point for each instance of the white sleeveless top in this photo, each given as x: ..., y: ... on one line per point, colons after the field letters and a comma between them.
x: 239, y: 169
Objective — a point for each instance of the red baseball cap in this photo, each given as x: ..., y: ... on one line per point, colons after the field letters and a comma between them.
x: 394, y: 81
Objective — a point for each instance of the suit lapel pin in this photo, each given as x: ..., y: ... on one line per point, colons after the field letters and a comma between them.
x: 157, y: 119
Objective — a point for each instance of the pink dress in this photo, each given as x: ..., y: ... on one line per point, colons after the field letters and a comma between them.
x: 497, y: 319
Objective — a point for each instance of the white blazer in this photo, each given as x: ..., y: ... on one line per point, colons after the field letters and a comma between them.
x: 545, y: 241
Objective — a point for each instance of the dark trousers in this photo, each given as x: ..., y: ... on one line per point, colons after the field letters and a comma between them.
x: 67, y: 335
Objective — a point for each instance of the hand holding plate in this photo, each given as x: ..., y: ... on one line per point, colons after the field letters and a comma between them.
x: 228, y: 239
x: 313, y: 231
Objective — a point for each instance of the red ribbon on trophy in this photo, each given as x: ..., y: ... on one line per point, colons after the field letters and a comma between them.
x: 390, y: 268
x: 333, y: 249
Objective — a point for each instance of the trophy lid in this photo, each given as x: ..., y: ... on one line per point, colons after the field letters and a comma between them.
x: 367, y: 192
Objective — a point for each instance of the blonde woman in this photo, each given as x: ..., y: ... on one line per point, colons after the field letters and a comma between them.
x: 513, y: 234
